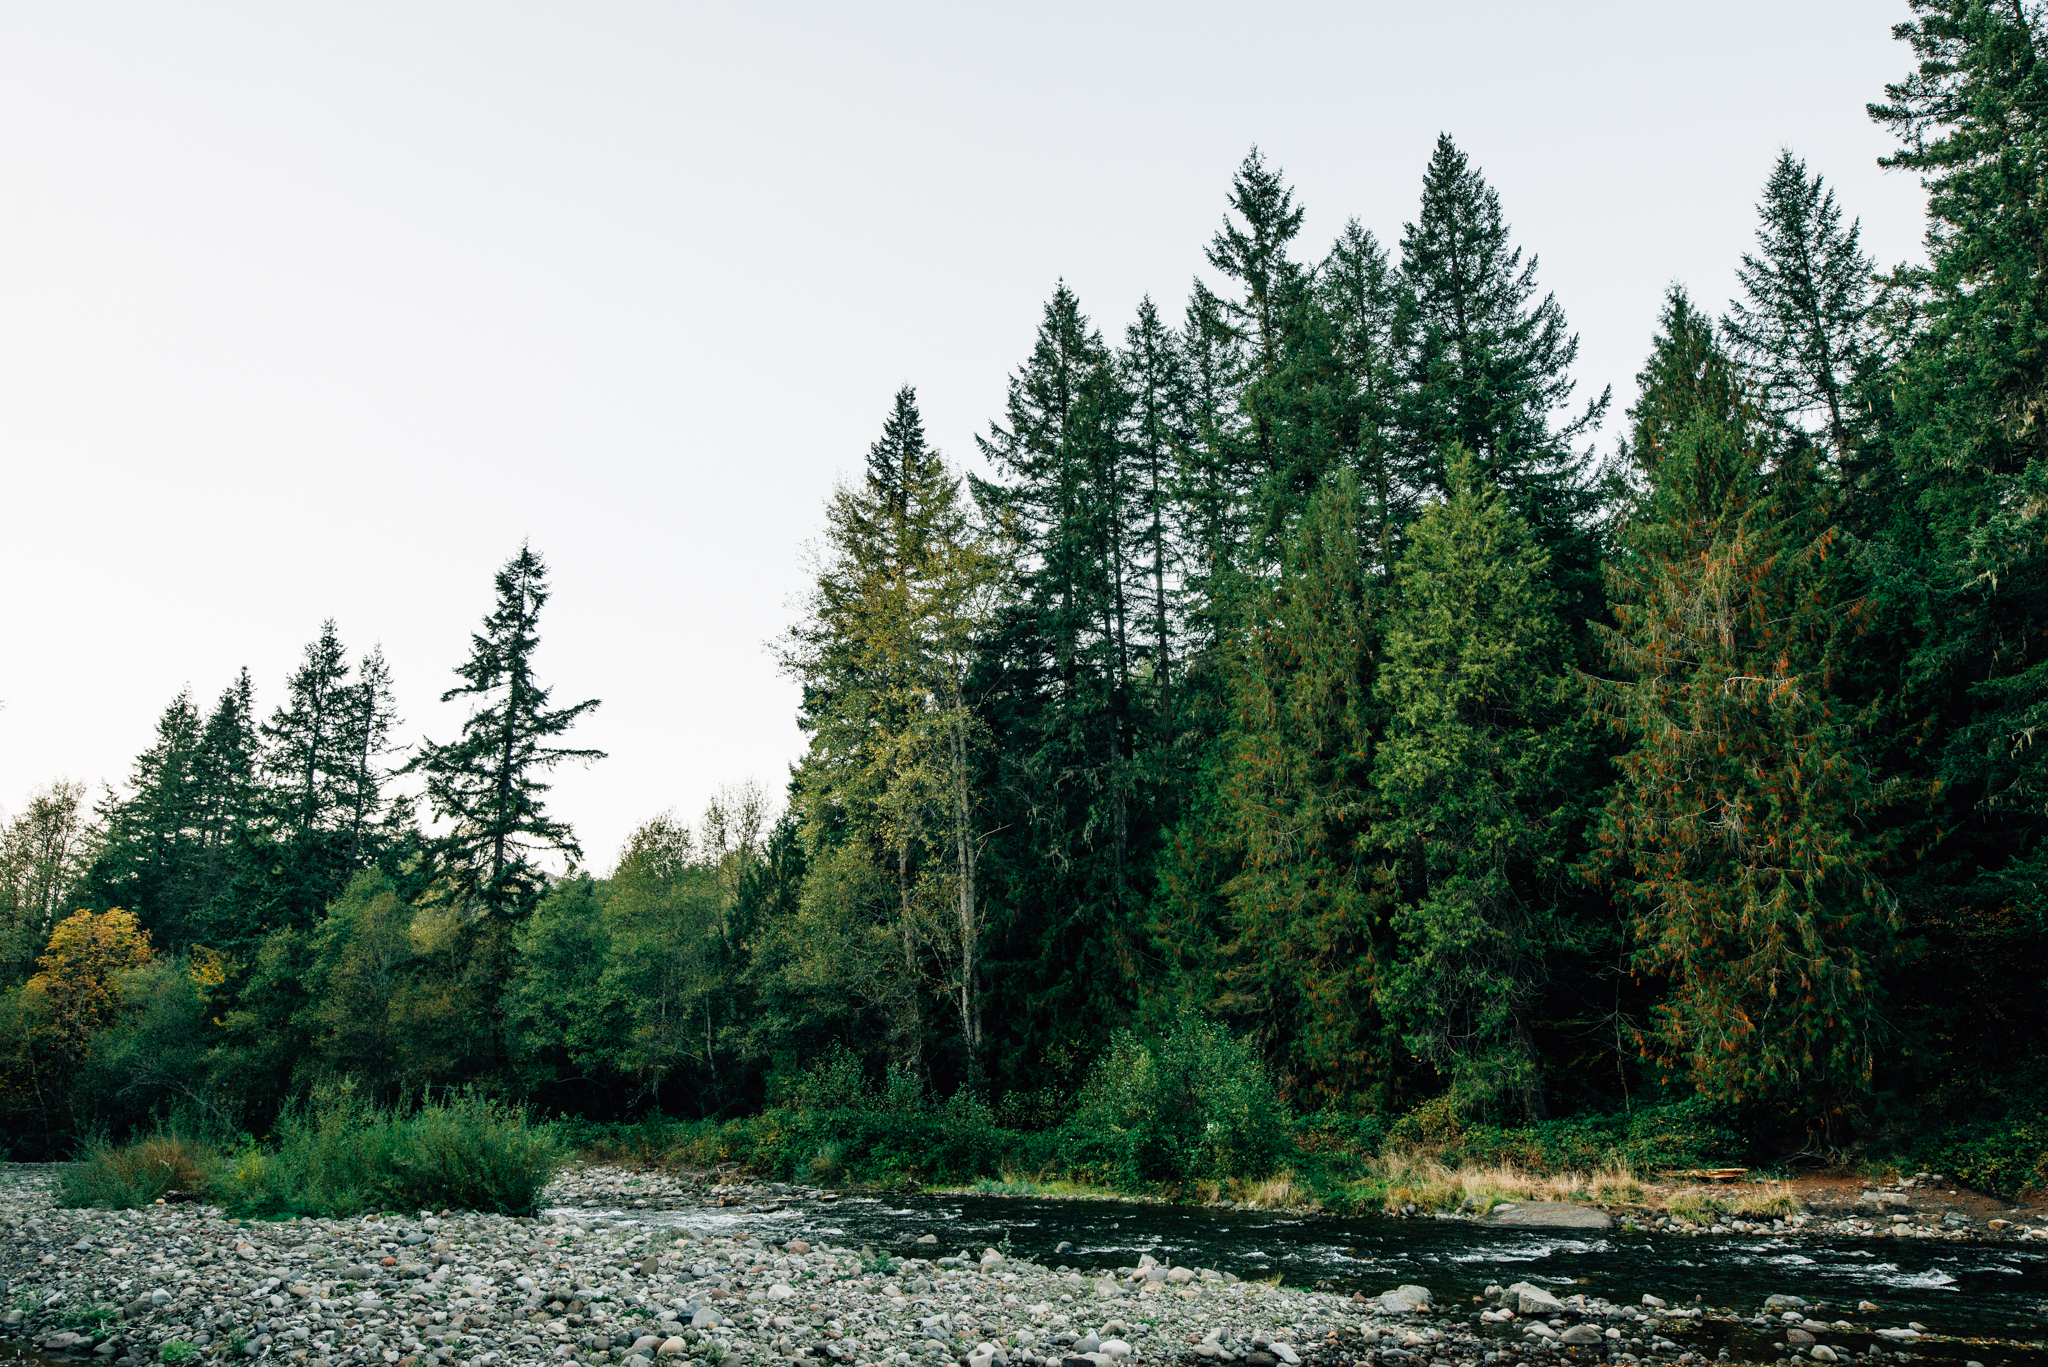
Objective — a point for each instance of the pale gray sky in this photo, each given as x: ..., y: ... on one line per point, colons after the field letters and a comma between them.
x: 313, y: 310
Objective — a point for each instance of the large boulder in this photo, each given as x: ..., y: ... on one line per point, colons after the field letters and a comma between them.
x: 1405, y: 1300
x: 1534, y: 1300
x: 1548, y: 1215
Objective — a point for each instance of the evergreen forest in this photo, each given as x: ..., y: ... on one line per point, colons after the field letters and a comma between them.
x: 1305, y: 683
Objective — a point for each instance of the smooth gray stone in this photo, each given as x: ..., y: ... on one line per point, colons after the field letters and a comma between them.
x: 1549, y: 1215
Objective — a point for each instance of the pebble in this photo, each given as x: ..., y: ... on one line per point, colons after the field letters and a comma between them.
x: 581, y: 1289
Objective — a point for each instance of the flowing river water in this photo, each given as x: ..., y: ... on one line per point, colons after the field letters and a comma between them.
x: 1981, y: 1291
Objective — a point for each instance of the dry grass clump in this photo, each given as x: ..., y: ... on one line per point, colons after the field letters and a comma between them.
x: 1274, y: 1192
x: 1702, y: 1208
x: 122, y: 1177
x: 1762, y: 1200
x: 1772, y: 1200
x: 1423, y: 1181
x: 1050, y: 1188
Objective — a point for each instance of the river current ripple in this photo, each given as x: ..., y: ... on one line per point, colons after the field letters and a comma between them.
x: 1978, y: 1290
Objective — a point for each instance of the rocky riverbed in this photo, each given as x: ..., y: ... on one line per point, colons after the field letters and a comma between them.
x: 178, y: 1283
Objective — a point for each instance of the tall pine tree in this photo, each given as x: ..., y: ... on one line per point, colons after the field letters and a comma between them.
x: 487, y: 783
x: 1303, y: 953
x: 889, y: 791
x: 1801, y: 327
x: 1737, y: 837
x: 1483, y: 778
x: 1489, y: 369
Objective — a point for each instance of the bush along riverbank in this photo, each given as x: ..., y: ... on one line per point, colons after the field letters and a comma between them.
x: 335, y: 1156
x: 1192, y: 1118
x: 175, y: 1283
x: 1195, y: 1117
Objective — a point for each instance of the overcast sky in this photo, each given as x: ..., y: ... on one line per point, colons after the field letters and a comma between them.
x: 318, y: 310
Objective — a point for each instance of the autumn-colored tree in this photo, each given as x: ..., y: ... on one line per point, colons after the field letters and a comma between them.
x: 1735, y: 836
x: 79, y: 976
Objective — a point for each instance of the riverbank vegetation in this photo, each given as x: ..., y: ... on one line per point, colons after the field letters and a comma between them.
x: 337, y: 1156
x: 1309, y: 733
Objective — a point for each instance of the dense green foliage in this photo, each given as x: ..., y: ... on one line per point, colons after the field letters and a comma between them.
x: 1294, y: 714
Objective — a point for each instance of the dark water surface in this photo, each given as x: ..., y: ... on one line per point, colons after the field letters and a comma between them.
x: 1977, y: 1290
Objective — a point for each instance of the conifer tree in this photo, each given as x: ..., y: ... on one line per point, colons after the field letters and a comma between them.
x: 1952, y: 481
x: 324, y: 789
x: 1155, y: 379
x: 1066, y: 718
x: 1734, y: 838
x: 149, y: 855
x: 486, y: 784
x: 1251, y: 249
x: 1481, y: 777
x: 889, y: 788
x: 307, y: 738
x: 1215, y: 473
x: 1298, y: 399
x: 227, y: 788
x: 1359, y: 291
x: 1304, y: 947
x: 1808, y: 287
x: 1489, y: 365
x: 367, y: 724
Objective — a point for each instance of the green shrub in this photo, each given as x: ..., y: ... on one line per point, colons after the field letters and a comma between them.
x: 1197, y: 1106
x: 125, y: 1176
x: 2008, y: 1156
x: 1681, y: 1134
x: 342, y: 1156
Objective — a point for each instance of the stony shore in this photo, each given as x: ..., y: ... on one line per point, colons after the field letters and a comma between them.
x: 181, y: 1283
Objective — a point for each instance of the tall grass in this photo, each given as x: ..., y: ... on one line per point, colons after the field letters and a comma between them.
x: 339, y: 1156
x: 124, y: 1176
x: 1428, y: 1183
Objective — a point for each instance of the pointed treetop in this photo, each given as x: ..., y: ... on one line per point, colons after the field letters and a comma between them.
x: 1253, y: 252
x: 900, y: 445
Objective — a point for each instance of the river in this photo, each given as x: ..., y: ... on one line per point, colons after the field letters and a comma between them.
x: 1973, y: 1290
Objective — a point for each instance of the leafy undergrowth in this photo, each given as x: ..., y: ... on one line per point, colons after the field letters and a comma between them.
x: 842, y: 1133
x: 2008, y: 1155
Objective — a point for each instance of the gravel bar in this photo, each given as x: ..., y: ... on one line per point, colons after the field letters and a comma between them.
x: 183, y: 1283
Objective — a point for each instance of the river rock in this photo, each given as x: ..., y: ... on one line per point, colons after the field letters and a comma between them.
x: 1581, y: 1333
x: 1534, y: 1300
x: 568, y: 1290
x: 1548, y: 1215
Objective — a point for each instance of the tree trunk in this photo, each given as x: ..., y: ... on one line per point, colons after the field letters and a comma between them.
x: 913, y: 1028
x: 965, y: 854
